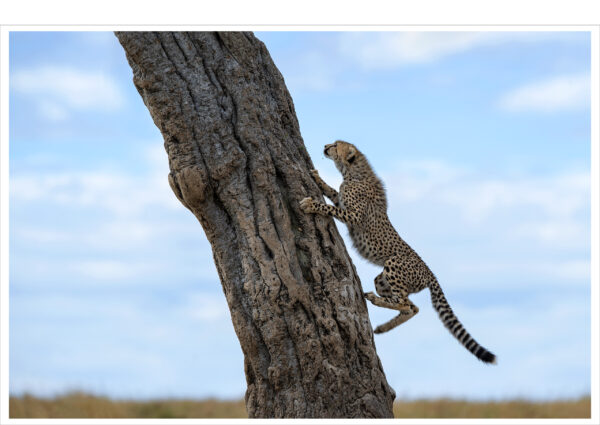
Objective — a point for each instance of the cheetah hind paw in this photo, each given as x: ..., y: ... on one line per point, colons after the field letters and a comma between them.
x: 307, y: 205
x: 378, y: 330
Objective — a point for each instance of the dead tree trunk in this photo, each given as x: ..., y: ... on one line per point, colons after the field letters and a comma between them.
x: 238, y: 163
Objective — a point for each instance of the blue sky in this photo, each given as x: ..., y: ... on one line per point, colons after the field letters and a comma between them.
x: 482, y: 140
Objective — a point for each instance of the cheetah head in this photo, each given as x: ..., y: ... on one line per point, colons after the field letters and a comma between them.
x: 341, y: 151
x: 344, y: 155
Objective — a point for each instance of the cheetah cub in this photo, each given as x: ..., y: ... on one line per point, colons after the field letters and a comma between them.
x: 361, y: 204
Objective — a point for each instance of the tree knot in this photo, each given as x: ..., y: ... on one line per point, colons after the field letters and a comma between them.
x: 190, y: 185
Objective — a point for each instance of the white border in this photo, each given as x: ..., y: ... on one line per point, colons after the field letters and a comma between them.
x: 4, y: 226
x: 303, y: 27
x: 435, y: 12
x: 4, y: 209
x: 595, y: 216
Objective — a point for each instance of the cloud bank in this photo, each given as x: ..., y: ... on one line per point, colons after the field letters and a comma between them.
x: 385, y: 50
x: 59, y: 90
x: 555, y: 94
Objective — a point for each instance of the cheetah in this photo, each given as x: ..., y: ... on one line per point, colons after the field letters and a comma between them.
x: 361, y: 204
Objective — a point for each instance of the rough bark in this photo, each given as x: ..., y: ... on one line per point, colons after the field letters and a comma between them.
x: 238, y: 163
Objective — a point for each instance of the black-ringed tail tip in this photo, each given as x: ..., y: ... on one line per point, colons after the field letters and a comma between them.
x: 489, y: 358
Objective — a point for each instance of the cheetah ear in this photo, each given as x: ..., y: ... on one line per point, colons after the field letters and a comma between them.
x: 351, y: 155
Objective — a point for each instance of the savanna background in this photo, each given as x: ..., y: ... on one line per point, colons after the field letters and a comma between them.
x: 483, y: 142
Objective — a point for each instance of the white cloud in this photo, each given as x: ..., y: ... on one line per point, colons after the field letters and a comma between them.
x: 563, y: 272
x: 110, y: 220
x: 391, y: 49
x: 559, y: 93
x: 375, y: 50
x: 556, y: 196
x: 61, y: 88
x: 41, y: 236
x: 121, y: 194
x: 421, y: 178
x: 68, y: 271
x: 562, y: 231
x: 543, y: 209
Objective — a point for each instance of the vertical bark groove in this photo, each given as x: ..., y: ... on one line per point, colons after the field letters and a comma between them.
x: 238, y: 163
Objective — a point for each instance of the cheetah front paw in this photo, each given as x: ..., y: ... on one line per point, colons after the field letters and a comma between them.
x: 308, y: 205
x: 315, y: 174
x: 371, y: 296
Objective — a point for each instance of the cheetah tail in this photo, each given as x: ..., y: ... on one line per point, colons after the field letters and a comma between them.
x: 455, y: 327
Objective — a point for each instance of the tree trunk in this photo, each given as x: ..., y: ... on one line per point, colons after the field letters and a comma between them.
x: 238, y: 163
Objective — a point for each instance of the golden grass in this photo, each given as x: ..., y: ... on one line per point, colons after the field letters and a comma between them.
x: 80, y: 405
x: 446, y: 408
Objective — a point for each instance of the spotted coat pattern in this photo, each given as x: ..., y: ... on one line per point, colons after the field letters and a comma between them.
x: 361, y: 204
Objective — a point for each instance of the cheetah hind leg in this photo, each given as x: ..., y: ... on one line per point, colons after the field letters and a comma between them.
x: 405, y: 307
x: 396, y: 321
x: 388, y: 300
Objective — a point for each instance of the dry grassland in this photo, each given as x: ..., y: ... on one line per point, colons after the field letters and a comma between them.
x: 78, y: 405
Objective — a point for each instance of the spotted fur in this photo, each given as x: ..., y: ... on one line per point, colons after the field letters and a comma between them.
x: 362, y: 205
